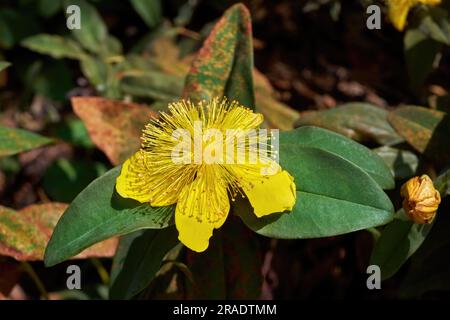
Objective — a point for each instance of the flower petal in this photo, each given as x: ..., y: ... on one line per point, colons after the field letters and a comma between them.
x: 267, y: 193
x: 203, y: 206
x: 398, y: 12
x: 158, y: 182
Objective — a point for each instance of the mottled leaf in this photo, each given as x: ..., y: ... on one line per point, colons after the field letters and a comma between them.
x: 359, y: 121
x: 115, y: 127
x: 14, y: 140
x: 224, y: 65
x: 428, y: 131
x: 24, y: 234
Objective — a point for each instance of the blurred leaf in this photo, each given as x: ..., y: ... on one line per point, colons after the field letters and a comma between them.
x: 402, y: 163
x: 53, y: 80
x: 149, y: 10
x: 399, y: 240
x: 224, y: 65
x: 435, y: 23
x: 153, y: 84
x: 426, y: 130
x: 442, y: 183
x: 4, y: 65
x: 55, y: 46
x: 65, y: 179
x: 136, y: 265
x: 16, y: 25
x: 334, y: 197
x: 48, y: 8
x: 99, y: 213
x: 95, y: 70
x: 74, y: 131
x: 359, y: 121
x: 276, y: 114
x: 420, y: 55
x: 93, y: 34
x: 360, y: 156
x: 25, y: 233
x: 14, y: 140
x: 115, y: 127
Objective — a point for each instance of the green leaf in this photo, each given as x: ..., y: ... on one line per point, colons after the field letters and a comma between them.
x: 95, y: 70
x: 224, y: 65
x: 435, y: 24
x: 74, y: 131
x: 424, y: 129
x: 48, y: 8
x: 334, y: 197
x: 99, y: 213
x: 359, y: 121
x: 93, y: 33
x: 420, y: 56
x: 398, y: 242
x: 339, y: 145
x: 149, y: 10
x: 4, y: 65
x: 153, y: 84
x: 55, y: 46
x: 442, y: 183
x: 14, y: 140
x: 402, y: 163
x: 138, y: 260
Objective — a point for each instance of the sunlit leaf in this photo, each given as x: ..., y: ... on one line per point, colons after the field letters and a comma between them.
x: 14, y: 140
x: 149, y: 10
x: 55, y: 46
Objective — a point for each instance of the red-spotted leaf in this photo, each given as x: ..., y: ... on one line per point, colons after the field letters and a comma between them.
x: 24, y: 234
x: 14, y: 140
x: 224, y: 65
x: 114, y: 127
x: 427, y: 130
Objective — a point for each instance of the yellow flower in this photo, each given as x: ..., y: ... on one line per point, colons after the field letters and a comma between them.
x: 161, y: 174
x: 398, y: 10
x: 421, y: 199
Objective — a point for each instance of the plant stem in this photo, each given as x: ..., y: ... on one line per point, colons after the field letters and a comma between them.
x: 101, y: 270
x: 37, y: 281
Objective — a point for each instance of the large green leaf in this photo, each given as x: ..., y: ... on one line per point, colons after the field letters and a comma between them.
x: 334, y: 197
x: 14, y: 140
x: 138, y: 259
x: 426, y: 130
x: 93, y: 33
x: 224, y: 65
x: 55, y: 46
x: 98, y: 213
x: 149, y: 10
x: 359, y: 121
x: 399, y: 241
x: 339, y: 145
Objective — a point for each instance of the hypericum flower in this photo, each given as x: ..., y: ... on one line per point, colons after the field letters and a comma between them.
x: 162, y: 173
x: 420, y: 199
x: 398, y: 10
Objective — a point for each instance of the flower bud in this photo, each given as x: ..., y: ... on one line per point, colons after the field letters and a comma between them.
x: 420, y: 199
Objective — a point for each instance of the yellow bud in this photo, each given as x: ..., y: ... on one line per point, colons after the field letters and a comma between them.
x: 420, y: 199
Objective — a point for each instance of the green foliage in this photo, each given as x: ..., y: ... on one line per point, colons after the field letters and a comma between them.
x: 14, y: 140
